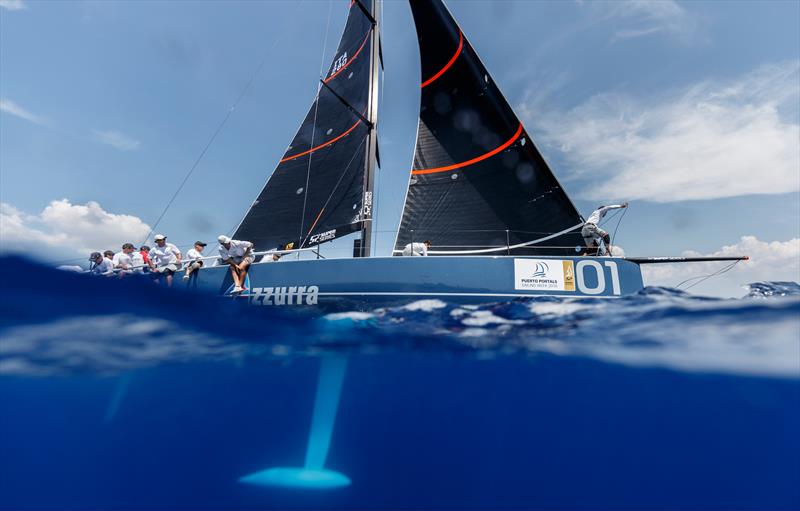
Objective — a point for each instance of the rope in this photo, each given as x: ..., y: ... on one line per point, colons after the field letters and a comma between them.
x: 614, y: 236
x: 314, y: 124
x: 498, y: 249
x: 211, y: 141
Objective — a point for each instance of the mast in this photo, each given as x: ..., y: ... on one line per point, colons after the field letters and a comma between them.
x: 372, y: 140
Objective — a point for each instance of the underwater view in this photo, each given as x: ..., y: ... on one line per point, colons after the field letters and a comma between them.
x: 118, y: 394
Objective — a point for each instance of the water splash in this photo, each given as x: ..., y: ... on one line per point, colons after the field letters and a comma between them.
x: 67, y: 328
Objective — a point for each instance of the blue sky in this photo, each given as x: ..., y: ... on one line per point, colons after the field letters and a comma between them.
x: 690, y: 110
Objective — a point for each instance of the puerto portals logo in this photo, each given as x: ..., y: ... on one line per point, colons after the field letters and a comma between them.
x: 541, y: 270
x: 544, y: 275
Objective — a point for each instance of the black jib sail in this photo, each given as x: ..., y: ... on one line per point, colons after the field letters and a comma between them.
x: 478, y: 184
x: 321, y: 188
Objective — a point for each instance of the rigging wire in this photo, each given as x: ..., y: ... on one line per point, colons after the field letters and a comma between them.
x: 703, y: 278
x: 314, y: 123
x: 211, y: 140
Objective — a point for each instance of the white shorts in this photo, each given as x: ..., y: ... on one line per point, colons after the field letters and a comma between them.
x: 591, y: 233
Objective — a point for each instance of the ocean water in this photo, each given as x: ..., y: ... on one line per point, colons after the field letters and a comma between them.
x: 121, y: 395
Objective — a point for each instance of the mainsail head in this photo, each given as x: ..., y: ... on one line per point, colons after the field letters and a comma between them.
x: 478, y: 184
x: 317, y: 191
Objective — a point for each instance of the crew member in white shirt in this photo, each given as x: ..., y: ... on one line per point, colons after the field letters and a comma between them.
x: 165, y: 258
x: 417, y: 249
x: 238, y: 255
x: 138, y: 261
x: 593, y: 234
x: 101, y: 265
x: 123, y: 260
x: 194, y: 258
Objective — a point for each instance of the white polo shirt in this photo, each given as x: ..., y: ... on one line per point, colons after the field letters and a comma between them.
x: 122, y: 260
x: 192, y: 254
x: 162, y: 256
x: 238, y: 249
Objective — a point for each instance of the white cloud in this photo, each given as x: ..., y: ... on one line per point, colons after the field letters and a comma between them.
x: 639, y: 18
x: 64, y: 230
x: 711, y: 140
x: 769, y: 261
x: 9, y: 107
x: 117, y: 140
x: 13, y: 5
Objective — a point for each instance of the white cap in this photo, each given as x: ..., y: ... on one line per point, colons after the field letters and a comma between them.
x: 159, y: 237
x: 223, y: 239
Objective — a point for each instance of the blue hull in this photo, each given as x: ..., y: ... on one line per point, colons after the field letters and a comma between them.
x: 352, y: 283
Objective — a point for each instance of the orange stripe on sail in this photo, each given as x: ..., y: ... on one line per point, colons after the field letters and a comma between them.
x: 314, y: 224
x: 329, y: 142
x: 331, y: 77
x: 450, y: 63
x: 473, y: 160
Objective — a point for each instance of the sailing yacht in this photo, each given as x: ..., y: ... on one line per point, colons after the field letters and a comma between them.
x: 501, y: 224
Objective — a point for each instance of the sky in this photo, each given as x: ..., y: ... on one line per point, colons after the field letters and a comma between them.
x: 688, y: 110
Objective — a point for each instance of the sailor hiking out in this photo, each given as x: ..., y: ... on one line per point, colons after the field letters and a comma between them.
x: 138, y: 261
x: 165, y: 258
x: 417, y: 249
x: 123, y: 261
x: 592, y: 233
x: 194, y: 258
x: 239, y: 256
x: 101, y: 265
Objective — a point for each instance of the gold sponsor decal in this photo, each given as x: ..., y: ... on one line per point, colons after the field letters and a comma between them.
x: 569, y: 276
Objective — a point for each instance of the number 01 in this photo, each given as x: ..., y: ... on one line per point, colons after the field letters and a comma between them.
x: 601, y: 277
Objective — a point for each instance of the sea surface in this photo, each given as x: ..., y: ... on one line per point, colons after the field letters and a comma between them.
x: 116, y: 394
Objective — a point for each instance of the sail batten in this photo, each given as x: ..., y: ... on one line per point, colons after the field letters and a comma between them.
x: 477, y: 179
x: 317, y: 191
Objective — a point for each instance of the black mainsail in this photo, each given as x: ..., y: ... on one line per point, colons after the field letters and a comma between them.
x: 478, y: 182
x: 322, y: 187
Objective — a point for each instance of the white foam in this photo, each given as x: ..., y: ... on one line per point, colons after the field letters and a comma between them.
x: 425, y: 305
x: 556, y: 308
x: 483, y: 318
x: 349, y: 316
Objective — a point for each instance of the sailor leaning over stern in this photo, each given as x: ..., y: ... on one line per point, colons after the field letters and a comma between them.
x: 165, y: 258
x: 591, y: 232
x: 239, y: 256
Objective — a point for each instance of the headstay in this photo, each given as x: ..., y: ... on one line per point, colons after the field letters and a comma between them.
x: 478, y: 182
x: 321, y: 187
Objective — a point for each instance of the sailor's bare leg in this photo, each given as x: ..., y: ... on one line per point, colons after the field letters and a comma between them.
x: 243, y: 267
x: 235, y: 275
x: 168, y: 278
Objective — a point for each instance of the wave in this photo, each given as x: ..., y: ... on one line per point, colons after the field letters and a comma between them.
x: 56, y: 322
